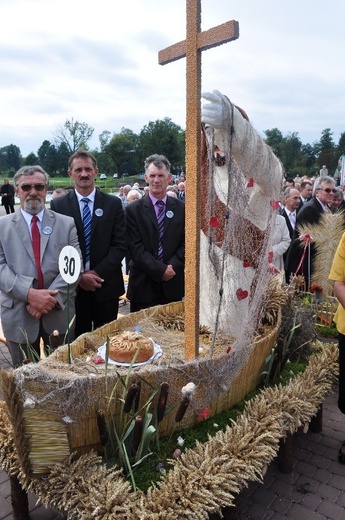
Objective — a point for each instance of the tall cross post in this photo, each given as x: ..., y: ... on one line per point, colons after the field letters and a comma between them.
x: 191, y: 48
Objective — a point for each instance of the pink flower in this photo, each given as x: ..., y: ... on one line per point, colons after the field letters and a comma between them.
x: 204, y: 414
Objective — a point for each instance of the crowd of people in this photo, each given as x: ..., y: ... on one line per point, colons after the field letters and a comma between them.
x: 302, y: 203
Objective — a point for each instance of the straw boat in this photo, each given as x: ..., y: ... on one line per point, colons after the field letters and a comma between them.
x: 53, y: 404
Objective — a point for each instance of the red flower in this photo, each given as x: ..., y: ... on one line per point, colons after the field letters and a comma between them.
x: 250, y: 183
x: 204, y: 414
x: 241, y: 294
x: 214, y: 222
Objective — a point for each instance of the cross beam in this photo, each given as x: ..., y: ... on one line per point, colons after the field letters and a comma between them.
x: 191, y: 48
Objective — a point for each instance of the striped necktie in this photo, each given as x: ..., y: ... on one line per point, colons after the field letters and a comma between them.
x: 160, y: 219
x: 87, y: 227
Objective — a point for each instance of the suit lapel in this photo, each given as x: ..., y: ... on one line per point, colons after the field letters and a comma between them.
x: 150, y: 211
x: 23, y: 232
x: 46, y: 230
x: 98, y: 205
x: 170, y: 206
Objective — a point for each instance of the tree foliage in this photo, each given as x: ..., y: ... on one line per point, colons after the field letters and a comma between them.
x: 74, y: 135
x: 125, y: 151
x: 163, y: 137
x: 10, y: 159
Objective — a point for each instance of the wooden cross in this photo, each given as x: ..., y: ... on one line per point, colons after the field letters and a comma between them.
x: 192, y: 47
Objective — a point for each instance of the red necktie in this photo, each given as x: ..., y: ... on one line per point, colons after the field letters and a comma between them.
x: 36, y: 246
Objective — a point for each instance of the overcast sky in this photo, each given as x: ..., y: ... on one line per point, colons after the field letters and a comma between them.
x: 98, y: 63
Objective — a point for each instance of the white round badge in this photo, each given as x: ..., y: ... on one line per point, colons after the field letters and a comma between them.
x: 69, y: 264
x: 169, y: 214
x: 47, y: 230
x: 99, y: 212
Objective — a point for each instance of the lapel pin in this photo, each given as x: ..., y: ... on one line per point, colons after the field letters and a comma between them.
x: 170, y: 214
x: 99, y: 212
x: 47, y: 230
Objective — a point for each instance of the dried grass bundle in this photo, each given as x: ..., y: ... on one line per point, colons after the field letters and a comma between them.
x: 205, y: 478
x: 326, y: 236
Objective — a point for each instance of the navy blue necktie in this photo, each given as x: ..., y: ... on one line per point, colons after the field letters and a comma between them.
x: 160, y: 219
x: 87, y: 227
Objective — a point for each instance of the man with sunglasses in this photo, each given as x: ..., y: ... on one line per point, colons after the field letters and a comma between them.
x: 33, y: 295
x: 300, y: 259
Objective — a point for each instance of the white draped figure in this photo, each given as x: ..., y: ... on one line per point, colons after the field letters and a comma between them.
x: 241, y: 184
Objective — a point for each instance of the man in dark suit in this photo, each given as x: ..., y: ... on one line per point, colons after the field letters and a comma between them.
x: 156, y: 241
x: 34, y: 297
x: 297, y: 262
x: 306, y: 193
x: 103, y: 244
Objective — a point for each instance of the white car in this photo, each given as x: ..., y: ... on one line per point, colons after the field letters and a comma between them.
x: 103, y: 176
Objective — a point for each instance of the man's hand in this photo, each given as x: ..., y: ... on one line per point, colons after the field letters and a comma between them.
x: 90, y: 281
x: 40, y: 301
x: 169, y: 273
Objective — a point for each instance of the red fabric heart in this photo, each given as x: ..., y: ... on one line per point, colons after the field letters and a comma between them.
x: 246, y: 264
x: 270, y: 257
x: 214, y: 222
x: 241, y: 294
x: 274, y: 204
x: 250, y: 183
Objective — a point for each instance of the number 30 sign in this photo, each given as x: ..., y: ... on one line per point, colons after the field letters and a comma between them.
x: 69, y: 264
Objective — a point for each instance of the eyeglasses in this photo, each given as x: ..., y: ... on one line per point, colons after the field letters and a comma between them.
x: 29, y: 187
x: 328, y: 190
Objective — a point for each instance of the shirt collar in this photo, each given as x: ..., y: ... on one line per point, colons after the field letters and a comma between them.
x: 324, y: 207
x: 91, y: 196
x: 154, y: 200
x: 28, y: 217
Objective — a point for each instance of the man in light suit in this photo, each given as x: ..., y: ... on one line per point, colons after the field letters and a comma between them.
x: 33, y: 293
x: 156, y: 267
x: 101, y: 284
x: 323, y: 192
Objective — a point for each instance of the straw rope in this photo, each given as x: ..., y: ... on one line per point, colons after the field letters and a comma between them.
x: 206, y: 478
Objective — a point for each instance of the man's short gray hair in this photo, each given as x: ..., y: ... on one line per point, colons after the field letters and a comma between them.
x: 29, y: 170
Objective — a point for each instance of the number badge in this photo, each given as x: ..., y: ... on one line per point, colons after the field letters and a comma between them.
x: 69, y: 264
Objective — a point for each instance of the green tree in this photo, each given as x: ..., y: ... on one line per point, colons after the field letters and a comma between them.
x: 74, y: 134
x: 274, y: 139
x: 47, y: 156
x: 291, y: 151
x: 10, y: 159
x: 122, y: 150
x: 30, y: 160
x: 62, y: 156
x: 163, y: 137
x: 327, y: 152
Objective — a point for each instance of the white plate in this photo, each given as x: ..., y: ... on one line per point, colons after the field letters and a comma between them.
x: 157, y: 352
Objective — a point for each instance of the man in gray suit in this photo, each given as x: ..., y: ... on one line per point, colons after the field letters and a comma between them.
x: 33, y: 294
